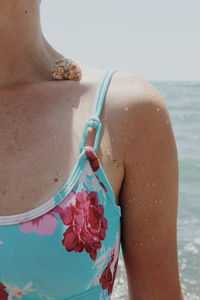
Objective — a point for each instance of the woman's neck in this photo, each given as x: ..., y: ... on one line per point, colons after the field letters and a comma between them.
x: 25, y: 54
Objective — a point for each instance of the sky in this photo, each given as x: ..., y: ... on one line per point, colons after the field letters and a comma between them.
x: 156, y: 39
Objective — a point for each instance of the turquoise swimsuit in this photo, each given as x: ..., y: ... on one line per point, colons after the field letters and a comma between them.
x: 68, y: 247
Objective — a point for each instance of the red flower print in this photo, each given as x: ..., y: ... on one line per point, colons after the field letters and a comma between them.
x: 108, y: 275
x: 87, y: 225
x: 104, y: 187
x: 107, y: 278
x: 3, y: 294
x: 92, y: 157
x: 94, y: 162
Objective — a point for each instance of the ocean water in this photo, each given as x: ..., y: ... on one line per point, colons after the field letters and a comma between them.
x: 183, y: 102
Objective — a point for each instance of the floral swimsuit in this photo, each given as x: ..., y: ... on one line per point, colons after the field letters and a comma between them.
x: 68, y: 247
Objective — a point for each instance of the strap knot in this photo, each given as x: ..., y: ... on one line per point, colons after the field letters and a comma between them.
x: 94, y: 122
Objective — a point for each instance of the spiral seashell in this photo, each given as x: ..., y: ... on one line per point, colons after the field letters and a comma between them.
x: 65, y: 68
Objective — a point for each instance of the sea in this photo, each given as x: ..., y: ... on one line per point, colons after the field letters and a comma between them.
x: 183, y: 101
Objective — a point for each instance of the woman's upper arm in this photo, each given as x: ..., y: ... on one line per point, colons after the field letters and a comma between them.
x: 149, y: 198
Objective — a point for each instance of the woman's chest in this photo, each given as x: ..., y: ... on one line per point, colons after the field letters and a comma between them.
x: 39, y: 147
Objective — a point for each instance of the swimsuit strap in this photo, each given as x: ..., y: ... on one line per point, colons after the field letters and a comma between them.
x: 94, y: 120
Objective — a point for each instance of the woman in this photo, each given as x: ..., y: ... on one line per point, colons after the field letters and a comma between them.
x: 38, y: 150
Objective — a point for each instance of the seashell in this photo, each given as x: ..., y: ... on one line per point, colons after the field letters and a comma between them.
x: 65, y: 68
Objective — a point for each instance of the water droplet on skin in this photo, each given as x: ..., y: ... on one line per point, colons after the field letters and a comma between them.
x: 152, y: 238
x: 54, y: 137
x: 147, y: 184
x: 153, y: 183
x: 157, y: 109
x: 142, y: 170
x: 56, y: 146
x: 131, y: 136
x: 141, y: 244
x: 29, y: 172
x: 48, y: 123
x: 60, y: 174
x: 126, y: 108
x: 112, y: 139
x: 160, y: 201
x: 108, y: 152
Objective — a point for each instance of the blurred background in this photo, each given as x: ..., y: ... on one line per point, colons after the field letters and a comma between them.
x: 160, y: 41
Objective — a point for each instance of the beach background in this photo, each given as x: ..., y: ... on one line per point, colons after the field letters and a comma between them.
x: 159, y: 41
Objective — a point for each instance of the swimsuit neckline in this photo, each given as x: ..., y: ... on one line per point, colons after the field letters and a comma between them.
x: 53, y: 201
x: 63, y: 192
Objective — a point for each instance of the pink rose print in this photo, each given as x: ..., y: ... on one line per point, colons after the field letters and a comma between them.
x: 87, y: 225
x: 44, y: 224
x: 94, y: 162
x: 3, y: 294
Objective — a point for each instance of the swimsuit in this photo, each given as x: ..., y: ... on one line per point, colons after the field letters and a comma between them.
x: 67, y: 248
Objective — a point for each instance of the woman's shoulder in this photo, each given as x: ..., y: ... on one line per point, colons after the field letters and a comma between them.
x: 127, y: 90
x: 139, y: 109
x: 132, y: 104
x: 133, y: 91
